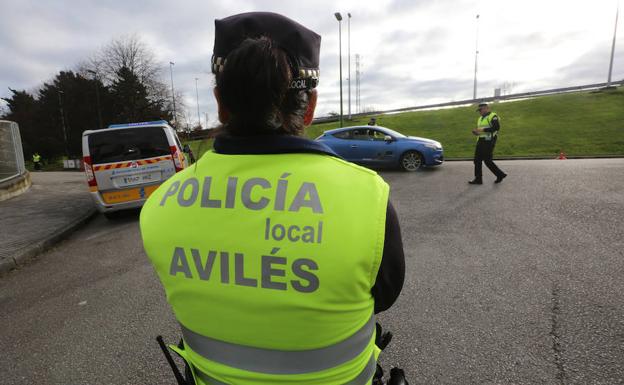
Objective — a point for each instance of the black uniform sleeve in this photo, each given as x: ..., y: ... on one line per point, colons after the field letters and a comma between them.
x: 391, y: 272
x: 494, y: 125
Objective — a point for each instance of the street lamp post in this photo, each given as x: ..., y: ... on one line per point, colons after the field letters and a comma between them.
x: 197, y: 96
x: 474, y: 88
x: 175, y: 118
x: 349, y: 60
x: 339, y: 18
x: 617, y: 11
x: 97, y: 96
x: 63, y: 122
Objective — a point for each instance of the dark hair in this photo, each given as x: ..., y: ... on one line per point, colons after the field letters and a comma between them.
x: 254, y: 88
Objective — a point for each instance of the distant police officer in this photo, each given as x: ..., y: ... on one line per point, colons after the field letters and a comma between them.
x: 487, y: 130
x: 37, y: 161
x: 274, y: 253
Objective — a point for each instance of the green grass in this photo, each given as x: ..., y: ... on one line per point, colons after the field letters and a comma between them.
x: 581, y: 123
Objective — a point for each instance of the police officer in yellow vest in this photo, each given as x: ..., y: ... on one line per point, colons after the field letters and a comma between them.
x: 487, y: 130
x: 274, y: 253
x: 37, y: 161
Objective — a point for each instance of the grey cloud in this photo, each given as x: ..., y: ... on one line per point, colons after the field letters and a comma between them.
x: 44, y: 37
x: 592, y: 67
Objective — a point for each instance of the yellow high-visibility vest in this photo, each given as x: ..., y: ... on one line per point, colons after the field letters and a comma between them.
x: 268, y: 263
x: 485, y: 122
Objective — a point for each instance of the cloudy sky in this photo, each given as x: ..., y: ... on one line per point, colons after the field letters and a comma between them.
x: 413, y: 52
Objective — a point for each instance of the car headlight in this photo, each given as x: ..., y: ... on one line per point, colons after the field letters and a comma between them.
x: 433, y: 146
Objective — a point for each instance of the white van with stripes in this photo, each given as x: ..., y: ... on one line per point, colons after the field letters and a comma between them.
x: 125, y: 163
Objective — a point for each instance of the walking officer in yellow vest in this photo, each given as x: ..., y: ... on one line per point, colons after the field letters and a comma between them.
x: 275, y: 254
x: 487, y: 130
x: 37, y: 161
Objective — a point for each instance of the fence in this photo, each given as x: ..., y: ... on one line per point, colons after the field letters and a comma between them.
x: 11, y: 154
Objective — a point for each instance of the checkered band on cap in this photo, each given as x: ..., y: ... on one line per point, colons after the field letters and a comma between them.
x: 309, y: 73
x: 218, y: 63
x: 308, y: 77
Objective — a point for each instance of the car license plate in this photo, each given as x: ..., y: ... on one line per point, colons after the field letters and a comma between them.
x: 131, y: 180
x: 127, y: 195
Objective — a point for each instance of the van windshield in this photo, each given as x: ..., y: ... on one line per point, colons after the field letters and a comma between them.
x: 128, y: 144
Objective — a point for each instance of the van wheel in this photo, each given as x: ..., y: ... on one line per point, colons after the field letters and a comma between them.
x: 411, y: 161
x: 111, y: 216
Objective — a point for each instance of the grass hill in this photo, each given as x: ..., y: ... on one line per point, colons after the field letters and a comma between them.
x: 580, y: 123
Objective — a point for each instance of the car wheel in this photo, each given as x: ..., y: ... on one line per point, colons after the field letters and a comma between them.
x: 411, y: 161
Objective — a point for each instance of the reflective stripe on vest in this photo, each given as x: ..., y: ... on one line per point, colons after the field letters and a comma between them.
x: 280, y: 361
x: 361, y: 379
x: 485, y: 122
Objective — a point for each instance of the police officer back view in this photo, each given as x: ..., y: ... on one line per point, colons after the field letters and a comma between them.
x: 487, y: 130
x: 274, y: 253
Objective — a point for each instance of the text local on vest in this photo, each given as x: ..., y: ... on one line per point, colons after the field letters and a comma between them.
x: 189, y: 191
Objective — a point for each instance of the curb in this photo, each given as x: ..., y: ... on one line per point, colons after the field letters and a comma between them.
x: 539, y: 157
x: 15, y: 186
x: 23, y: 256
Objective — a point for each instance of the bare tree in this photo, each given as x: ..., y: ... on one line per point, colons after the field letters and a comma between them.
x: 125, y: 51
x: 131, y: 52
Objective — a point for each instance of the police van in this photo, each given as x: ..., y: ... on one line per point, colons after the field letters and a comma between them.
x: 125, y: 163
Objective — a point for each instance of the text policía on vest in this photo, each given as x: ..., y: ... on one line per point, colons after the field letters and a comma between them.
x: 187, y: 193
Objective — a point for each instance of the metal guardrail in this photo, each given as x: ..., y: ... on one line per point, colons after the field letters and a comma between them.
x: 11, y: 153
x: 522, y: 95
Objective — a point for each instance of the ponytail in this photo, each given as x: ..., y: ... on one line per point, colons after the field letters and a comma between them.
x: 254, y: 87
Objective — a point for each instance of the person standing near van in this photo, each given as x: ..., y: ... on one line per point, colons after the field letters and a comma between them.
x: 275, y: 269
x: 487, y: 130
x: 37, y: 161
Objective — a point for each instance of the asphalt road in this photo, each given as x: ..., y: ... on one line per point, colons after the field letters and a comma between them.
x: 517, y: 283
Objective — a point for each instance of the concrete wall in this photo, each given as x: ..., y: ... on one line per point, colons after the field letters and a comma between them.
x: 14, y: 179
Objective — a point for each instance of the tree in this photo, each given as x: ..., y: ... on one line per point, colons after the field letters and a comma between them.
x: 131, y: 102
x: 127, y: 80
x: 125, y: 52
x: 69, y: 101
x: 23, y: 109
x: 132, y: 55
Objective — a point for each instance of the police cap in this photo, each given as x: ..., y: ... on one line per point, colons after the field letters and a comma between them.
x: 300, y: 44
x: 482, y: 105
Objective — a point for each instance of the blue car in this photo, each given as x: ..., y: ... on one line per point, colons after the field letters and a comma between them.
x: 376, y: 146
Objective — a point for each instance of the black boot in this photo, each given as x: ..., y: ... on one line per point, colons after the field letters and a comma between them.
x: 500, y: 178
x: 476, y: 181
x: 397, y: 377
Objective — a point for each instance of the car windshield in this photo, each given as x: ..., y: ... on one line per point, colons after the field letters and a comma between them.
x: 394, y: 133
x: 128, y: 144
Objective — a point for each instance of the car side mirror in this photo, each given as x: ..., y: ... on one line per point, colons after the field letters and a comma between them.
x: 388, y: 138
x: 186, y: 148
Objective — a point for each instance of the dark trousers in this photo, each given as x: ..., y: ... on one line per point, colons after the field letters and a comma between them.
x: 483, y: 153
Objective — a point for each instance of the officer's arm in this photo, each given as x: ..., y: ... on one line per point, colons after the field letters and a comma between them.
x: 391, y: 272
x: 494, y: 125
